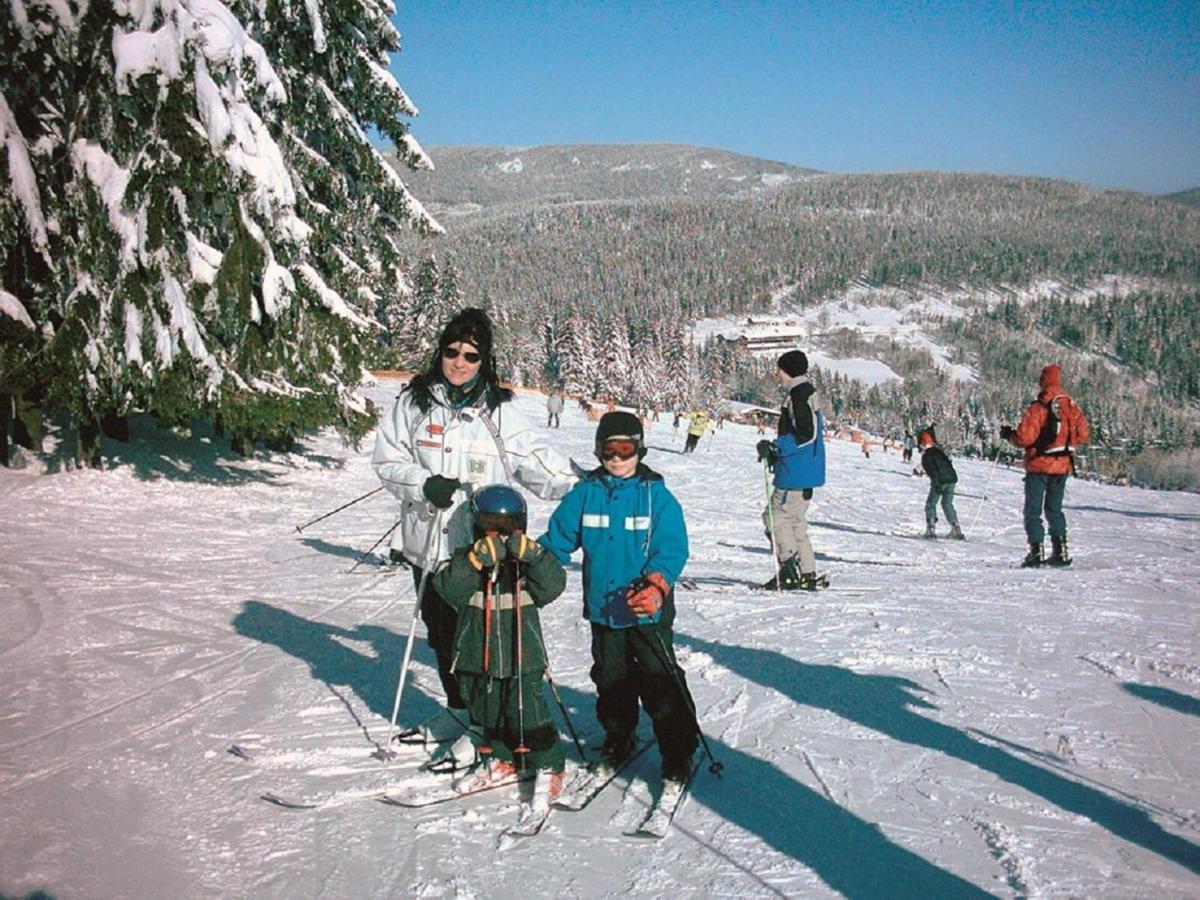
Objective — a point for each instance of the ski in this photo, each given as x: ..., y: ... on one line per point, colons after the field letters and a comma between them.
x: 329, y: 800
x: 732, y: 586
x: 586, y: 788
x: 657, y: 821
x: 418, y: 799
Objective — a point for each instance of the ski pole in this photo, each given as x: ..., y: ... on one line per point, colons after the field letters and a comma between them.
x: 363, y: 556
x: 771, y: 525
x: 986, y: 488
x: 386, y: 752
x: 520, y: 748
x: 561, y: 706
x: 300, y: 528
x: 713, y: 766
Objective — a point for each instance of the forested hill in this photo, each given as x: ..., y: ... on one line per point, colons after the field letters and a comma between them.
x: 466, y: 179
x: 1191, y: 197
x: 612, y: 252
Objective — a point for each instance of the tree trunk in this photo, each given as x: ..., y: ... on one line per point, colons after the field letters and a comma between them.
x: 5, y: 418
x: 87, y: 448
x: 115, y: 426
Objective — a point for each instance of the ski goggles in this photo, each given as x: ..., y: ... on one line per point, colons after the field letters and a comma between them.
x: 469, y: 355
x: 499, y: 523
x: 619, y: 448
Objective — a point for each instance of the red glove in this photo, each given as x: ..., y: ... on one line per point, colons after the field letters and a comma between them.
x: 646, y: 594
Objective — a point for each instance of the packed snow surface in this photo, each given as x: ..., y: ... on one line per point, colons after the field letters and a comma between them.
x: 942, y: 723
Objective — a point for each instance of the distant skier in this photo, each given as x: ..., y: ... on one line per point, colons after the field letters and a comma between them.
x: 496, y: 586
x: 635, y: 545
x: 909, y: 444
x: 554, y: 408
x: 698, y: 423
x: 797, y: 456
x: 1053, y: 425
x: 942, y: 481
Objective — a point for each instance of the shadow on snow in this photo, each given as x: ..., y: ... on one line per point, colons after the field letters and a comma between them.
x: 888, y: 705
x: 1164, y: 697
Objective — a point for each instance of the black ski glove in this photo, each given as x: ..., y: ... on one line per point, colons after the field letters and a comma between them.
x: 522, y: 548
x: 768, y: 451
x: 1007, y: 432
x: 439, y: 490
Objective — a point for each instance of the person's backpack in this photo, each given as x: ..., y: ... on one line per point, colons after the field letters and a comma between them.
x: 1057, y: 437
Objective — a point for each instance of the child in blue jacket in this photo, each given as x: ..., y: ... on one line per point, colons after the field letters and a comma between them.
x: 635, y: 545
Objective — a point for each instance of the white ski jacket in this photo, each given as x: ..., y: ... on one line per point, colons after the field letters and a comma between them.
x: 470, y: 444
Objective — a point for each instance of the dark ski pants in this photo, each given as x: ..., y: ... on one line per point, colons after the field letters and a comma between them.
x: 493, y: 704
x: 692, y: 441
x: 553, y: 420
x: 638, y: 663
x: 441, y: 622
x: 945, y: 493
x: 1044, y: 492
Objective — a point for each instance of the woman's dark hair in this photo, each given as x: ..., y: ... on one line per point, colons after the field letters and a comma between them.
x: 472, y: 326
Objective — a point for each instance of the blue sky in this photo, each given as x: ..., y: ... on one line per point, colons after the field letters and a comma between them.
x: 1103, y: 93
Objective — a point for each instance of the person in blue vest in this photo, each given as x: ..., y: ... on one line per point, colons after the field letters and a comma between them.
x: 797, y: 456
x: 635, y: 546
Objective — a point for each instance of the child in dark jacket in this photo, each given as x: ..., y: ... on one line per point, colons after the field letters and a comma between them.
x: 499, y: 657
x: 635, y: 545
x: 942, y: 479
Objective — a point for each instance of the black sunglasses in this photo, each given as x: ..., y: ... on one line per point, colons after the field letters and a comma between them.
x: 469, y: 355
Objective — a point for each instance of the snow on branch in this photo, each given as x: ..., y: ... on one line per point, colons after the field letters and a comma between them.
x: 15, y: 309
x: 329, y: 298
x: 21, y: 177
x: 386, y: 82
x: 313, y: 8
x: 110, y: 181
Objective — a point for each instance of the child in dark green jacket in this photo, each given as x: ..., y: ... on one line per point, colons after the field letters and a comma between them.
x: 499, y: 657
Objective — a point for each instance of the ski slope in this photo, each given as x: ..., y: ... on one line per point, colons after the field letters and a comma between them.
x: 963, y: 727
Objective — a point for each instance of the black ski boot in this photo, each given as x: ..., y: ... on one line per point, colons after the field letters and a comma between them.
x: 811, y: 581
x: 1058, y: 554
x: 787, y: 578
x: 1033, y: 560
x: 956, y: 533
x: 930, y: 530
x: 616, y: 749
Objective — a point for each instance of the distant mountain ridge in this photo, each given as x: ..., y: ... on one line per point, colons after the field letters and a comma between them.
x: 1192, y: 197
x: 466, y: 179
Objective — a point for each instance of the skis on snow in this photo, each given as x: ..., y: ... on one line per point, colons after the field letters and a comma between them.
x: 585, y: 789
x: 656, y: 823
x: 720, y: 585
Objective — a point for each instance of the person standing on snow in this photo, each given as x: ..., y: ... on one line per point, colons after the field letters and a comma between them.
x: 1053, y: 425
x: 496, y: 586
x: 942, y: 480
x: 554, y: 408
x: 635, y: 545
x: 909, y: 444
x: 797, y: 456
x: 450, y: 430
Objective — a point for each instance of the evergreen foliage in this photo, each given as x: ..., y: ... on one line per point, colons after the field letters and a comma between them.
x: 199, y: 226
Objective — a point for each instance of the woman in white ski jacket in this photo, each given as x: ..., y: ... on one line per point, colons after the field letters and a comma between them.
x: 451, y: 430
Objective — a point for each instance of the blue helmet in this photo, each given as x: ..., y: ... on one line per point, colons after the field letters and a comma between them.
x: 498, y: 508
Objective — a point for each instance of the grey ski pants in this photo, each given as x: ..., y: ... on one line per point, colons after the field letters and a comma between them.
x: 789, y: 513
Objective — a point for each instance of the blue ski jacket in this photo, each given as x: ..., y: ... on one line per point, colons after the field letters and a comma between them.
x: 627, y: 527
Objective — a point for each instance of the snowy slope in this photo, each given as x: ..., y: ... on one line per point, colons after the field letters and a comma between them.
x: 967, y: 727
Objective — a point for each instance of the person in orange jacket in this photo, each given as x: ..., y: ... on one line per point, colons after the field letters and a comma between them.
x: 1052, y: 427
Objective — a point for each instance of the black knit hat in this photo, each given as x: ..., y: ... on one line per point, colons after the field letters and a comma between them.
x: 794, y: 363
x: 620, y: 424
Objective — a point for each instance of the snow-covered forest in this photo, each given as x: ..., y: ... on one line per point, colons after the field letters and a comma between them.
x: 197, y: 225
x: 941, y: 723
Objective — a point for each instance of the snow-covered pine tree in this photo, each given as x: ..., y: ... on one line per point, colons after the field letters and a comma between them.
x: 201, y: 226
x: 617, y: 369
x: 579, y: 360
